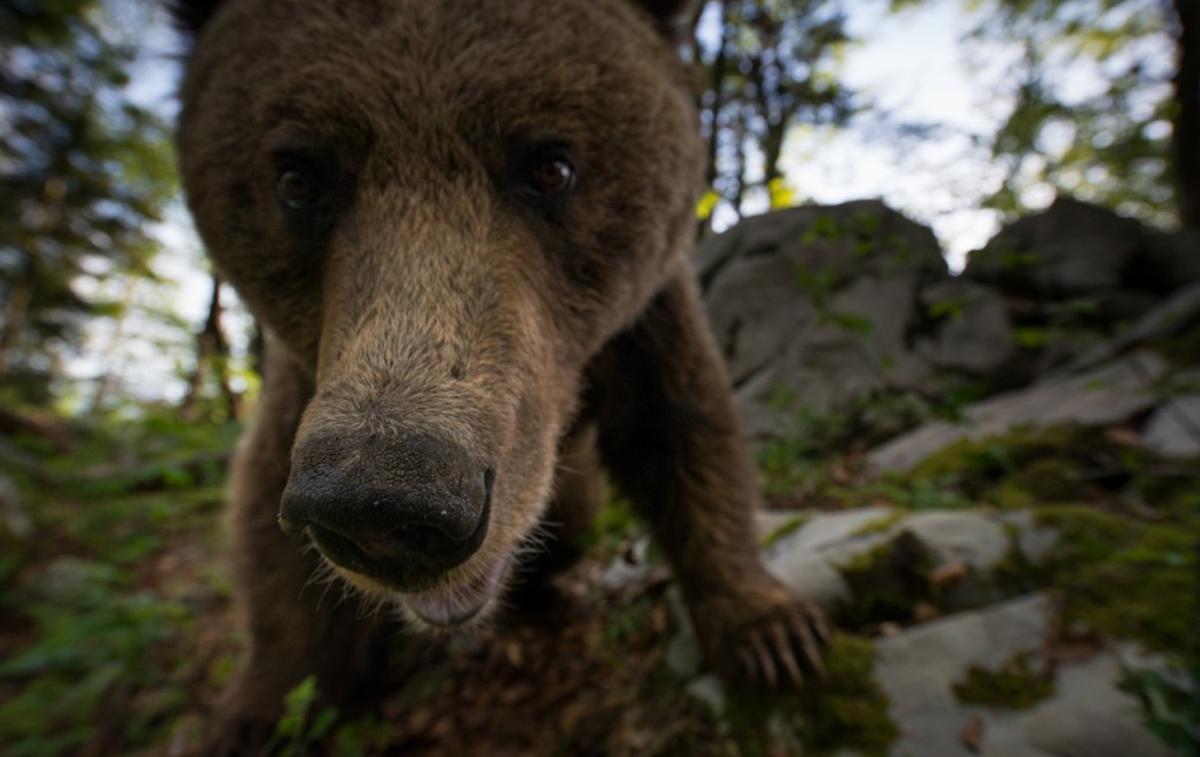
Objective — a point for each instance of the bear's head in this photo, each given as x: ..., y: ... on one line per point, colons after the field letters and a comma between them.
x: 442, y: 209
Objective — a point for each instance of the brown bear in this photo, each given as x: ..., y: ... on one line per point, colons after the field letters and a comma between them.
x: 464, y: 224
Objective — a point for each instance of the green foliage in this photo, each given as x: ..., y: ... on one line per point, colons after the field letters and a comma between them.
x: 772, y: 69
x: 101, y: 660
x: 299, y: 728
x: 1109, y: 144
x: 1168, y: 703
x: 1015, y: 685
x: 798, y: 455
x: 93, y: 638
x: 83, y: 173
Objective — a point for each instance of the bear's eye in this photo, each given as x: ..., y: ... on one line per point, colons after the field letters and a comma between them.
x: 551, y: 174
x: 296, y: 188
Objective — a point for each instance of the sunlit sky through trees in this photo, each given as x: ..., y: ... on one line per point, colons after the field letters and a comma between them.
x: 912, y: 67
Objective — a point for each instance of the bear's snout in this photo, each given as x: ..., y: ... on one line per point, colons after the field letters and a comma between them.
x: 401, y: 511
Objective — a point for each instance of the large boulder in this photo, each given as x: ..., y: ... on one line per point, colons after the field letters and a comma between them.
x: 814, y: 307
x: 1075, y: 249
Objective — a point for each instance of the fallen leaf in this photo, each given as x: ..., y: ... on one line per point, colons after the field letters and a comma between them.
x: 924, y: 612
x: 972, y: 733
x: 949, y: 573
x: 1124, y: 436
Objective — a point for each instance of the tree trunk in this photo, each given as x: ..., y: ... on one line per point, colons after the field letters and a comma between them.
x: 212, y: 352
x: 15, y: 312
x: 1187, y: 113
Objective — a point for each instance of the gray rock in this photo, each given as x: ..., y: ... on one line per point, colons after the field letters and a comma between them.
x: 710, y: 690
x: 1088, y: 716
x: 1168, y: 317
x: 1072, y: 248
x: 975, y: 539
x: 1108, y: 394
x: 811, y: 576
x: 808, y: 559
x: 855, y: 236
x: 812, y: 306
x: 628, y: 569
x: 824, y: 529
x: 918, y: 668
x: 683, y: 655
x: 975, y: 335
x: 1174, y: 428
x: 768, y: 522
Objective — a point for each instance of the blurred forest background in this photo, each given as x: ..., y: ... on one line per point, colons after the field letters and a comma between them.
x: 127, y: 369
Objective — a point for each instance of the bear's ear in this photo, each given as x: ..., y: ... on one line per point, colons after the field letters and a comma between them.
x: 670, y: 14
x: 192, y: 15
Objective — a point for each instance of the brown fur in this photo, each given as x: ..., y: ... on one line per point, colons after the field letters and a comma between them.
x: 434, y: 299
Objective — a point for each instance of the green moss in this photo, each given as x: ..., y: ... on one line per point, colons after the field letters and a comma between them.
x: 846, y: 711
x: 1124, y: 578
x: 880, y: 525
x: 973, y: 462
x: 790, y: 526
x: 1015, y: 685
x: 886, y: 583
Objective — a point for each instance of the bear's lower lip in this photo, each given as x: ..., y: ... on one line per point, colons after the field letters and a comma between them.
x: 449, y: 606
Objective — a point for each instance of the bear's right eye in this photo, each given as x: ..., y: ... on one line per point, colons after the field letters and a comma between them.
x: 297, y: 188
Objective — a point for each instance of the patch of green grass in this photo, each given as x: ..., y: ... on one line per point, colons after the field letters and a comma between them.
x: 1015, y: 685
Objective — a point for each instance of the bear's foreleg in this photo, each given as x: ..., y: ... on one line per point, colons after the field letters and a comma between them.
x: 672, y: 440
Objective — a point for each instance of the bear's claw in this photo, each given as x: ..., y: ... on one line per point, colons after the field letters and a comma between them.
x: 782, y: 646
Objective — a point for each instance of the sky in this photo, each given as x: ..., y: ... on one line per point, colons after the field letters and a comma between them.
x: 909, y: 63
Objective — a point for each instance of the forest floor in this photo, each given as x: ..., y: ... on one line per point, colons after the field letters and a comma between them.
x: 116, y: 628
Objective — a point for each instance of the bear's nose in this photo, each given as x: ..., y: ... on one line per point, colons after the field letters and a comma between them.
x: 416, y: 499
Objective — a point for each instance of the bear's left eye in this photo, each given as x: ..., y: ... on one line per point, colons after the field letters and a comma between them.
x: 551, y: 174
x: 297, y: 188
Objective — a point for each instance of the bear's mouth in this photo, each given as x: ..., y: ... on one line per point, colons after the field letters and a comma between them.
x: 455, y: 604
x: 434, y: 599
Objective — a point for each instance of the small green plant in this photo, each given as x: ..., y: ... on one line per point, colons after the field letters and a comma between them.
x: 298, y: 728
x: 1169, y: 704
